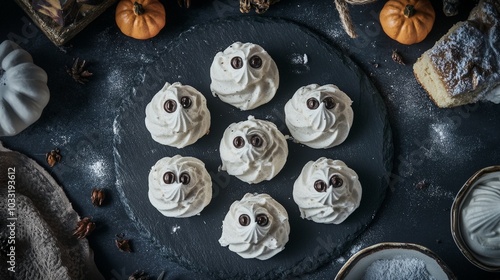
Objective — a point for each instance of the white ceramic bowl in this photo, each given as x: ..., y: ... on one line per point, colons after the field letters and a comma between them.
x: 357, y: 265
x: 457, y: 227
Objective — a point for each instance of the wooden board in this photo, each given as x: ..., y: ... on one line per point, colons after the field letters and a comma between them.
x: 302, y: 58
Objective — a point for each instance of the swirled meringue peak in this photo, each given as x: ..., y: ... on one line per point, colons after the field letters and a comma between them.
x: 244, y: 75
x: 179, y: 186
x: 253, y: 150
x: 327, y: 191
x: 319, y: 116
x: 177, y: 115
x: 481, y: 218
x: 255, y: 227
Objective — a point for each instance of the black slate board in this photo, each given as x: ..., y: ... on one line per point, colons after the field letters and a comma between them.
x: 194, y: 241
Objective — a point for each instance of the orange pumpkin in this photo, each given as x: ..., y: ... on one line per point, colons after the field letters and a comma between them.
x: 407, y: 21
x: 140, y: 19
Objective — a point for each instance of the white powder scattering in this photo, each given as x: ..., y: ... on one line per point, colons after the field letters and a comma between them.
x: 146, y: 59
x: 98, y: 168
x: 442, y: 138
x: 335, y: 33
x: 299, y: 63
x: 60, y: 141
x: 340, y: 260
x: 299, y: 59
x: 175, y: 229
x: 355, y: 248
x: 115, y: 81
x: 444, y: 142
x: 116, y: 131
x: 350, y: 252
x: 397, y: 268
x: 437, y: 191
x: 406, y: 93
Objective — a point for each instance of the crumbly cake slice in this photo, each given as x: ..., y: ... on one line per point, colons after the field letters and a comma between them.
x: 464, y: 65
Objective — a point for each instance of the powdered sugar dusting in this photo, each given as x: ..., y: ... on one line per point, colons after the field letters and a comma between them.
x: 60, y: 140
x: 399, y: 267
x: 175, y: 229
x: 299, y: 58
x: 98, y: 168
x: 299, y: 63
x: 356, y: 247
x: 439, y: 192
x: 469, y: 57
x: 406, y: 92
x: 444, y: 143
x: 115, y: 80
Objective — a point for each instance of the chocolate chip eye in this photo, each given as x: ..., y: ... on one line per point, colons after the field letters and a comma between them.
x: 262, y: 220
x: 329, y: 102
x: 238, y: 142
x: 237, y: 62
x: 336, y: 181
x: 170, y: 106
x: 186, y: 102
x: 255, y: 62
x: 169, y: 177
x: 320, y: 186
x: 312, y: 103
x: 184, y: 178
x: 256, y: 141
x: 244, y: 220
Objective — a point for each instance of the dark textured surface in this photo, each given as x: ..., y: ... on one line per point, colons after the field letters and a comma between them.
x: 368, y: 149
x: 442, y: 146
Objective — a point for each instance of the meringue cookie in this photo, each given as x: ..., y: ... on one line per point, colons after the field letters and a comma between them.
x: 327, y: 191
x: 319, y: 116
x: 244, y: 75
x: 177, y: 115
x: 179, y: 186
x: 481, y: 218
x: 255, y: 227
x: 253, y: 150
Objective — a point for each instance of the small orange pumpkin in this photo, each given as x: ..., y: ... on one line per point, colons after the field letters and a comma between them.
x: 407, y: 21
x: 140, y: 19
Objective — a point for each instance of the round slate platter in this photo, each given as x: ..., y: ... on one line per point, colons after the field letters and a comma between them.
x: 302, y: 58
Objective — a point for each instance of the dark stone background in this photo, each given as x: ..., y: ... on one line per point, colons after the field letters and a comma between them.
x: 442, y: 146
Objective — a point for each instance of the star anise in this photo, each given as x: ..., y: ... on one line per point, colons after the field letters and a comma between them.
x: 83, y: 228
x: 78, y: 73
x: 97, y: 197
x: 261, y: 6
x: 122, y: 243
x: 53, y: 157
x: 139, y: 275
x: 396, y: 56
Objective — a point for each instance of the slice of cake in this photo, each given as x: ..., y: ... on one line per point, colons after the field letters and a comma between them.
x: 464, y: 65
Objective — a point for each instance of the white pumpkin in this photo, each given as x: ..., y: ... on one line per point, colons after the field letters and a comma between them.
x: 23, y: 89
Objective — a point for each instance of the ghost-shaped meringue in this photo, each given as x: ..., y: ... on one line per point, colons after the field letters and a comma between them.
x: 177, y: 115
x: 256, y: 226
x: 319, y: 116
x: 244, y: 75
x: 179, y: 186
x: 327, y: 191
x: 253, y: 150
